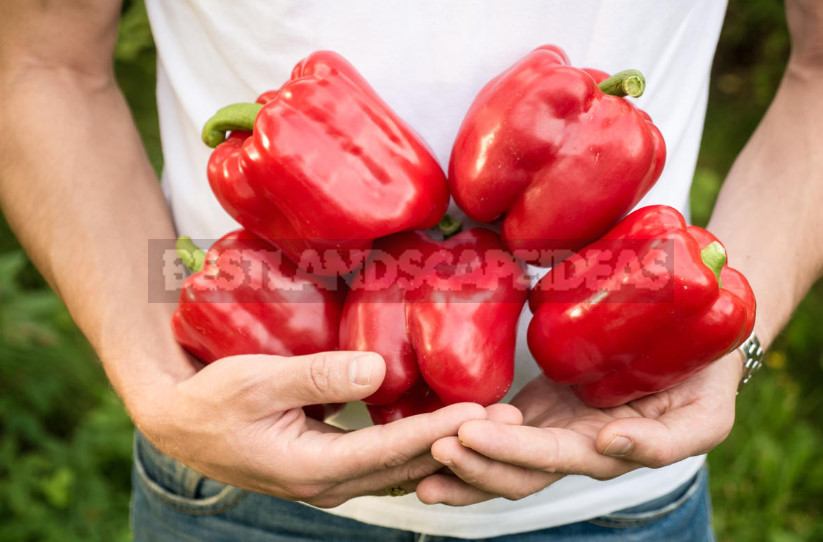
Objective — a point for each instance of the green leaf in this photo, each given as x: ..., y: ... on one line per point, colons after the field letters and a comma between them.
x: 58, y: 487
x: 134, y: 33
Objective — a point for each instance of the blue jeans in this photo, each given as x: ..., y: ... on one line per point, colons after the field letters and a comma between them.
x: 172, y: 502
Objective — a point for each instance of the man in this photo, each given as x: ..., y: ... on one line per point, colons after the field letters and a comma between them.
x: 85, y: 209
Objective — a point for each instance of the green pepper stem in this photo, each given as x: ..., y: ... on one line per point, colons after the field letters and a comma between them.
x: 449, y: 226
x: 192, y: 256
x: 625, y: 83
x: 232, y: 117
x: 714, y: 256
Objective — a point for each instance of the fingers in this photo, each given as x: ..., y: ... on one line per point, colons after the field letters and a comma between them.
x: 689, y: 419
x: 396, y: 481
x: 329, y: 377
x: 504, y: 413
x: 447, y: 488
x: 276, y: 383
x: 482, y: 478
x: 369, y: 460
x: 337, y: 377
x: 551, y: 450
x: 384, y: 447
x: 497, y: 459
x: 407, y: 475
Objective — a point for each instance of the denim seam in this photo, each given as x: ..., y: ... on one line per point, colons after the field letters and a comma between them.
x: 183, y: 504
x: 638, y: 520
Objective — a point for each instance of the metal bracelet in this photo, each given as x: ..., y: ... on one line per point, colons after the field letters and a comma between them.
x: 753, y: 353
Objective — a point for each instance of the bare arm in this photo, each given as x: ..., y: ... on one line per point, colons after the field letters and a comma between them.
x: 769, y: 209
x: 77, y: 187
x: 81, y: 196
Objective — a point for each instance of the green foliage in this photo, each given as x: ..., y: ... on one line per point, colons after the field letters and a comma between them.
x: 750, y: 59
x: 65, y: 445
x: 134, y: 40
x: 136, y: 68
x: 767, y: 480
x: 24, y: 315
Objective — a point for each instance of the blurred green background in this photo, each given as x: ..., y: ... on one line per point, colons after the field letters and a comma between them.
x: 65, y: 441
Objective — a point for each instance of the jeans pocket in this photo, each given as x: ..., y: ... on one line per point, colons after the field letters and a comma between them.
x: 178, y: 486
x: 656, y: 509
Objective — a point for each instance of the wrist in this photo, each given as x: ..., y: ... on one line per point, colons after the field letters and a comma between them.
x: 730, y: 371
x: 146, y: 385
x: 146, y: 364
x: 804, y: 66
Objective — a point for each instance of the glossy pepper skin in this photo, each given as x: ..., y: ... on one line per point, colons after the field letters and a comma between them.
x: 250, y: 299
x: 650, y: 318
x: 324, y: 164
x: 544, y: 146
x: 442, y: 314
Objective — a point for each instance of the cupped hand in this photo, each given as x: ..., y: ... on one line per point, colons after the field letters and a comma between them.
x: 239, y: 420
x: 561, y: 435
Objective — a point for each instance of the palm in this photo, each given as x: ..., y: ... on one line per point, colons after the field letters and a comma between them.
x: 547, y: 404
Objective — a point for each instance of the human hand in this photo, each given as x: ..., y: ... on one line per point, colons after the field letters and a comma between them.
x: 240, y: 421
x: 561, y: 435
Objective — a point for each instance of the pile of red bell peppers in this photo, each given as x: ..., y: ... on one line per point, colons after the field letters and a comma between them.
x: 334, y: 191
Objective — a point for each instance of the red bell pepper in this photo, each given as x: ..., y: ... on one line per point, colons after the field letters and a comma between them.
x: 323, y: 164
x: 640, y: 310
x: 442, y: 314
x: 419, y: 399
x: 557, y: 150
x: 245, y: 297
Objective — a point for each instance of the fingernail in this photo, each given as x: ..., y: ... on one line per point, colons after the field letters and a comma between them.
x: 445, y: 462
x: 360, y: 370
x: 618, y: 447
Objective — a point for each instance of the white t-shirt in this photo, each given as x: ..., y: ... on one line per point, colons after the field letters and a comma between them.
x: 428, y: 59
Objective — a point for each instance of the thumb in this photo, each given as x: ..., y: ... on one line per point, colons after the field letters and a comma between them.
x: 325, y: 377
x: 672, y: 437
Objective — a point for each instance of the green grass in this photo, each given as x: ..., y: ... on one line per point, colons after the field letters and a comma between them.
x: 65, y: 440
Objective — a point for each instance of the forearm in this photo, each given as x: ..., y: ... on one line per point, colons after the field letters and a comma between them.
x: 768, y: 212
x: 78, y: 191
